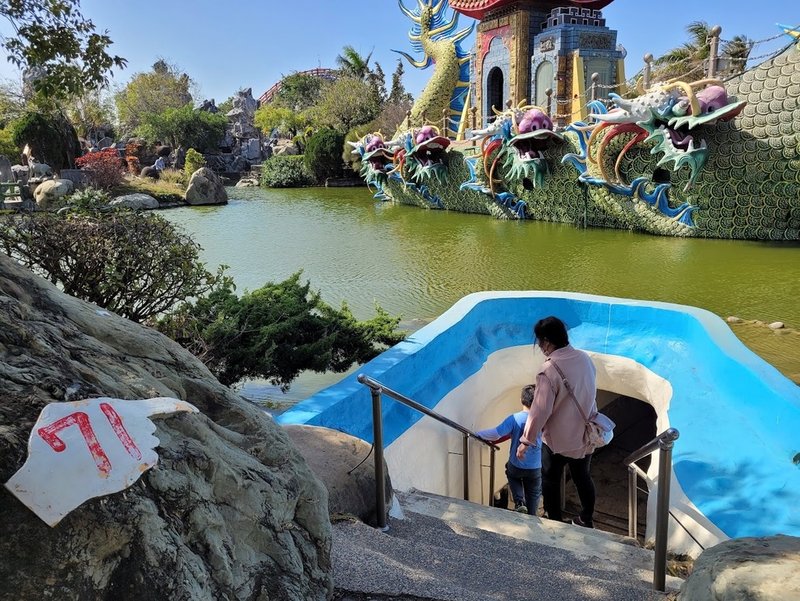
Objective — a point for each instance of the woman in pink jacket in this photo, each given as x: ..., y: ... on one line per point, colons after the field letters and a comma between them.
x: 557, y: 417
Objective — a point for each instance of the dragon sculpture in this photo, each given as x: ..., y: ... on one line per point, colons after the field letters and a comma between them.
x: 423, y: 155
x: 516, y: 142
x: 518, y: 139
x: 666, y: 116
x: 438, y: 39
x: 680, y: 159
x: 377, y: 161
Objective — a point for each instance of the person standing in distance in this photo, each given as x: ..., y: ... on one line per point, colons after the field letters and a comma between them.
x: 558, y: 419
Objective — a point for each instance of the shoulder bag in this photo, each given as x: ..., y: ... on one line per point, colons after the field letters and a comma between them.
x: 599, y: 428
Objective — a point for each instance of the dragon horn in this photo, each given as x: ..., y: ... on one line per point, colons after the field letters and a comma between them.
x: 687, y: 89
x: 408, y: 13
x: 464, y: 32
x: 423, y: 64
x: 618, y: 100
x: 706, y: 82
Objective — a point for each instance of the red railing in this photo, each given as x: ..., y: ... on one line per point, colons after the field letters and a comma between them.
x: 329, y: 74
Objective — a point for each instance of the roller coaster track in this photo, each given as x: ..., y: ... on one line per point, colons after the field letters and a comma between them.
x: 329, y: 74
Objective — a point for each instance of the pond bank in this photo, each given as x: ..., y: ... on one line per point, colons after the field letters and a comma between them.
x: 417, y: 263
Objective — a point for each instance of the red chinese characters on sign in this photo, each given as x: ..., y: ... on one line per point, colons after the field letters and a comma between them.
x: 80, y: 419
x: 57, y: 476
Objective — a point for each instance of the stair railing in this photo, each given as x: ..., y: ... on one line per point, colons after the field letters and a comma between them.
x: 376, y: 390
x: 663, y: 443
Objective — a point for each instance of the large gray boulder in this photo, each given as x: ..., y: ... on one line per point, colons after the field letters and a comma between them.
x: 137, y: 201
x: 51, y: 191
x: 205, y: 188
x: 746, y: 569
x: 285, y: 148
x: 346, y: 465
x: 231, y: 511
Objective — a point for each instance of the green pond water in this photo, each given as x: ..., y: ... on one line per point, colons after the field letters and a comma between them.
x: 417, y: 263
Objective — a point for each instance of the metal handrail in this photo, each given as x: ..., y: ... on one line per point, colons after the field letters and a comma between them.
x: 376, y: 389
x: 664, y: 443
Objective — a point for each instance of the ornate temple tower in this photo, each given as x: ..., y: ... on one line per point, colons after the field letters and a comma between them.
x: 525, y: 47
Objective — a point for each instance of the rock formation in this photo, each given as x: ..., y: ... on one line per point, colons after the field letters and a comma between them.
x: 51, y: 191
x: 206, y: 188
x: 346, y: 465
x: 231, y: 511
x: 746, y: 569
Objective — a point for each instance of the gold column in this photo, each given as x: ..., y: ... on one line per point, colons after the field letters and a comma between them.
x: 520, y: 84
x: 578, y: 91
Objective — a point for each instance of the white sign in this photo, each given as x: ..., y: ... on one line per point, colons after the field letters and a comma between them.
x: 87, y: 449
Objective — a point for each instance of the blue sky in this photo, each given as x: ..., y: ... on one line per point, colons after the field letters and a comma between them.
x: 252, y: 43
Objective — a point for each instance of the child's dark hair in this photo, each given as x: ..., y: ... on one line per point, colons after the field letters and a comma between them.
x: 527, y: 395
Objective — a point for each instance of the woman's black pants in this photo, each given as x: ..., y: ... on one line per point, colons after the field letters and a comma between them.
x: 552, y: 468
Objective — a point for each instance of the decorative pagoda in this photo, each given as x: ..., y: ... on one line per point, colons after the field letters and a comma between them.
x: 526, y: 47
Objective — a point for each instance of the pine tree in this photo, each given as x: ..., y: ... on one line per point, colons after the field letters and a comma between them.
x: 377, y: 79
x: 398, y: 93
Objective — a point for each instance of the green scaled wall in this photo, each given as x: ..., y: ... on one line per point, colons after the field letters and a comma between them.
x: 748, y: 189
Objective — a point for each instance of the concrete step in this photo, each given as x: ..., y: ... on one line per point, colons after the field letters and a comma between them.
x: 447, y: 549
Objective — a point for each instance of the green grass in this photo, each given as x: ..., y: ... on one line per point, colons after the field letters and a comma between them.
x: 161, y: 190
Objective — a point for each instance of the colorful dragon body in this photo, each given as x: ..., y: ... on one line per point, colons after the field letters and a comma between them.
x: 699, y: 159
x: 438, y: 39
x: 666, y: 115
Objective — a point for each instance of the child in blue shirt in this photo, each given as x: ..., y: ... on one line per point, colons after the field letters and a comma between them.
x: 524, y: 475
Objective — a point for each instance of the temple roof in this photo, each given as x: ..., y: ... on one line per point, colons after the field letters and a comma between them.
x: 478, y: 8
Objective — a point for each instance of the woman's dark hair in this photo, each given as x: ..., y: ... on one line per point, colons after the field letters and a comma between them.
x: 553, y: 330
x: 527, y: 395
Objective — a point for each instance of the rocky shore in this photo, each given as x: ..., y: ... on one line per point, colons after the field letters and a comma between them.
x: 231, y: 511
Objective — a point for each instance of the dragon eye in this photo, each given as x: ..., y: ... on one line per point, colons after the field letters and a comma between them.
x: 711, y: 108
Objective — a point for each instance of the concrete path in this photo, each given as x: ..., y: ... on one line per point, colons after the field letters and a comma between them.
x: 449, y: 550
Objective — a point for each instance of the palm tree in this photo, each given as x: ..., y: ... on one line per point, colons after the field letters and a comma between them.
x: 688, y: 60
x: 352, y: 64
x: 738, y: 51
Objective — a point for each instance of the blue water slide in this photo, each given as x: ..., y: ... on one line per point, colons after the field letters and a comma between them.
x: 739, y: 418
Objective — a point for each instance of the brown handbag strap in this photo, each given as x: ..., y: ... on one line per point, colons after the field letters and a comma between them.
x: 569, y: 390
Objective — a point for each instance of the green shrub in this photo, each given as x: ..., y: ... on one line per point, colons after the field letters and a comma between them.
x: 135, y: 264
x: 194, y: 161
x: 275, y: 332
x: 7, y: 146
x: 89, y: 199
x: 285, y: 172
x: 323, y: 156
x: 51, y: 138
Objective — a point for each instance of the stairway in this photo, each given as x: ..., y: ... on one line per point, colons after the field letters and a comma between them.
x: 447, y: 549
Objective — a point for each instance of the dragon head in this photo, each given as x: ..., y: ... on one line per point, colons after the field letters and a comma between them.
x: 668, y: 114
x: 674, y: 132
x: 376, y: 157
x: 534, y: 135
x: 426, y: 151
